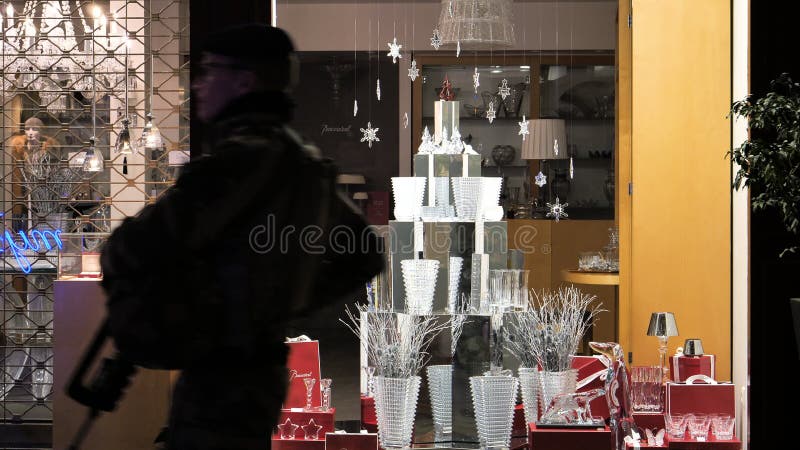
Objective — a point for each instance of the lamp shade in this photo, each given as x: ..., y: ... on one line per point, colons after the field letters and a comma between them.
x: 693, y: 347
x: 544, y: 135
x: 662, y: 324
x: 350, y: 178
x: 476, y: 23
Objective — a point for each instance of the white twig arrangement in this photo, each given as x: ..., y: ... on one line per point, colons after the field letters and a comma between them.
x: 548, y: 334
x: 395, y: 343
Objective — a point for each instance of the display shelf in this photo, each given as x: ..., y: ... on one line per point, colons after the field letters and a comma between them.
x: 596, y: 278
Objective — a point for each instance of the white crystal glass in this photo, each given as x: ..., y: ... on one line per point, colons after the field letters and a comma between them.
x: 409, y: 193
x: 723, y: 426
x: 440, y: 385
x: 419, y: 278
x: 519, y: 292
x: 698, y: 426
x: 442, y: 187
x: 325, y: 388
x: 555, y: 383
x: 491, y: 189
x: 493, y: 397
x: 467, y: 194
x: 309, y: 382
x: 675, y: 424
x: 453, y: 281
x: 396, y: 408
x: 529, y: 385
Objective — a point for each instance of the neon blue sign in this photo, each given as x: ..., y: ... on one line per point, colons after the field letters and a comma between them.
x: 34, y: 240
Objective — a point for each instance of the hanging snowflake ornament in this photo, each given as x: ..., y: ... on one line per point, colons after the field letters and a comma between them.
x: 436, y: 40
x: 370, y: 134
x: 378, y: 89
x: 523, y: 127
x: 571, y: 169
x: 458, y: 49
x: 555, y: 147
x: 413, y: 72
x: 394, y: 50
x: 355, y: 108
x: 405, y: 120
x: 557, y: 210
x: 450, y: 9
x: 504, y: 90
x: 476, y: 80
x: 540, y: 179
x: 491, y: 113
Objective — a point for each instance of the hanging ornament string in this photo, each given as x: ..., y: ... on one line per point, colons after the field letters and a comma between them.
x: 369, y: 134
x: 355, y: 64
x: 541, y: 178
x: 571, y: 47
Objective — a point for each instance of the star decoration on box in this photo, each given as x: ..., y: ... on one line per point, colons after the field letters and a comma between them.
x: 413, y: 72
x: 311, y: 430
x: 370, y: 134
x: 394, y: 50
x: 436, y: 40
x: 523, y: 127
x: 287, y: 429
x: 504, y: 91
x: 378, y: 89
x: 540, y: 179
x: 555, y: 147
x: 557, y: 210
x: 458, y: 49
x: 490, y: 112
x: 476, y: 80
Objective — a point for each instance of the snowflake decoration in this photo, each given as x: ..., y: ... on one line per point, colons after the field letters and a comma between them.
x: 370, y: 134
x: 556, y: 210
x: 504, y: 90
x: 555, y: 147
x: 571, y: 169
x: 523, y: 127
x: 311, y: 431
x: 458, y: 49
x: 541, y: 179
x: 378, y: 89
x: 491, y: 113
x: 405, y: 120
x: 413, y: 72
x: 476, y: 80
x: 394, y: 50
x: 355, y: 108
x: 436, y: 40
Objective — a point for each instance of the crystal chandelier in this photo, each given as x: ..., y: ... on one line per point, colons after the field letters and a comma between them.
x: 93, y: 159
x: 476, y: 24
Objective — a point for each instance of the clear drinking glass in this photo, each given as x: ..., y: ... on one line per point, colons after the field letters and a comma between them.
x: 723, y: 426
x: 646, y: 388
x: 493, y: 398
x: 419, y: 278
x: 675, y: 425
x: 440, y: 385
x: 309, y: 382
x: 698, y: 426
x: 325, y: 386
x: 529, y: 384
x: 395, y: 408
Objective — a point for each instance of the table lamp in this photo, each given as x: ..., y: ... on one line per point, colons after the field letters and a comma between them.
x: 541, y: 145
x: 662, y: 325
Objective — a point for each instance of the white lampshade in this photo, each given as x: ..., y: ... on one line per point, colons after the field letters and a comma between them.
x: 543, y: 135
x: 350, y: 178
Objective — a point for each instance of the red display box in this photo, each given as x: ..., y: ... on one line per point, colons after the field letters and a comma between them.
x: 570, y: 438
x: 701, y: 398
x: 519, y: 427
x: 710, y: 444
x: 377, y: 209
x: 297, y: 444
x: 682, y: 367
x: 368, y: 410
x: 325, y: 419
x: 351, y: 441
x: 649, y: 420
x: 590, y: 368
x: 302, y: 363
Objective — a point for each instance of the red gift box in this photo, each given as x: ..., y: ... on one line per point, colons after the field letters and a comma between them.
x: 302, y: 363
x: 570, y: 438
x: 297, y: 444
x: 351, y: 441
x: 705, y: 398
x: 368, y: 415
x: 325, y: 419
x: 590, y: 370
x: 682, y: 367
x: 377, y: 209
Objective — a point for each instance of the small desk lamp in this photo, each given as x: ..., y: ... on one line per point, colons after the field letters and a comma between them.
x: 548, y: 140
x: 662, y: 325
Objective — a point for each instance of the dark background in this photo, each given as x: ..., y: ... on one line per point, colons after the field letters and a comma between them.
x: 774, y: 363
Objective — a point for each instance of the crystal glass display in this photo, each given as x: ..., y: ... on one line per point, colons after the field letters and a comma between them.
x: 442, y: 191
x: 493, y: 397
x: 309, y: 382
x: 723, y: 425
x: 325, y: 386
x: 675, y: 425
x: 453, y: 282
x: 501, y: 283
x: 529, y: 385
x: 396, y: 408
x: 288, y: 429
x: 409, y: 193
x: 591, y: 262
x: 311, y: 430
x: 555, y: 383
x: 419, y: 279
x: 440, y: 385
x: 13, y: 364
x: 646, y: 388
x: 491, y: 190
x: 467, y: 192
x: 519, y: 294
x: 698, y: 426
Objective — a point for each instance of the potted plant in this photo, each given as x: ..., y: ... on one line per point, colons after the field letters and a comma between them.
x: 769, y: 160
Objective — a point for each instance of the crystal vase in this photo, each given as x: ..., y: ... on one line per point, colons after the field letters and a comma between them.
x: 555, y: 383
x: 409, y: 193
x: 440, y: 385
x: 529, y: 384
x: 453, y: 282
x: 395, y: 408
x: 419, y: 279
x: 493, y: 397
